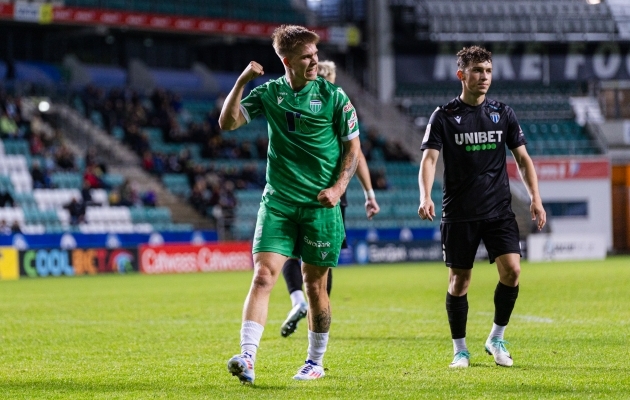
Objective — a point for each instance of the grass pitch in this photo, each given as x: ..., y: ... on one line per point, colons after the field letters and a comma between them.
x: 169, y: 336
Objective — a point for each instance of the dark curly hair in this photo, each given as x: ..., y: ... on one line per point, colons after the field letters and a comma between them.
x: 286, y: 38
x: 472, y: 55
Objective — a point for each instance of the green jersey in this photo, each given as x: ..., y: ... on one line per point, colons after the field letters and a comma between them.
x: 305, y: 129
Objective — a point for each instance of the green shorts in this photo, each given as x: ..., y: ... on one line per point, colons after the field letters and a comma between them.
x: 313, y: 234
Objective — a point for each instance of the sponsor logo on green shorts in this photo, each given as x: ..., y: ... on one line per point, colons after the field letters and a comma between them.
x: 316, y: 243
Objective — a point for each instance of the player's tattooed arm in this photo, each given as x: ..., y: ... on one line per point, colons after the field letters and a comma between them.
x: 348, y: 168
x: 330, y: 196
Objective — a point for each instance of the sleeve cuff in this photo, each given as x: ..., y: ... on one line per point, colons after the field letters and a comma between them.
x: 245, y: 113
x: 350, y: 136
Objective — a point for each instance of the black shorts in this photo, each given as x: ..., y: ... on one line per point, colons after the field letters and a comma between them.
x: 344, y: 244
x: 460, y: 240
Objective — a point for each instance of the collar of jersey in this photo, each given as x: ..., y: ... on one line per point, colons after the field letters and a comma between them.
x: 305, y: 89
x: 485, y: 100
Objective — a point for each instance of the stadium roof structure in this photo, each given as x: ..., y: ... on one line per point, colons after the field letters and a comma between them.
x: 517, y: 20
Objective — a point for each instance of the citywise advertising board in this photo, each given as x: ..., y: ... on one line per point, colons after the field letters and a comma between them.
x: 168, y: 259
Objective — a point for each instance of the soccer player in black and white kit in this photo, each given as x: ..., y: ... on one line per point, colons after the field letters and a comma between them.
x: 473, y: 132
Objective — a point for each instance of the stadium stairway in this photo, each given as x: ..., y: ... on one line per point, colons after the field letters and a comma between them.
x: 385, y: 118
x: 121, y: 160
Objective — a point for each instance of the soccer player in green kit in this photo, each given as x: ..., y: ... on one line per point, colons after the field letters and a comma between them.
x: 312, y: 155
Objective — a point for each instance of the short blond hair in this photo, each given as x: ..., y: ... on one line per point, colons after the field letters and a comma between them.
x: 327, y: 70
x: 286, y: 38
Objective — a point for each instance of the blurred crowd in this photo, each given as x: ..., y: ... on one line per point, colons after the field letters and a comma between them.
x: 211, y: 188
x: 50, y: 154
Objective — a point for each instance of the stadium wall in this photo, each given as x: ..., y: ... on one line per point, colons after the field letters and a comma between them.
x: 578, y: 190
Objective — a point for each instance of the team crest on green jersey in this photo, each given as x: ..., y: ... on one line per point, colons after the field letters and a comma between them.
x: 316, y: 106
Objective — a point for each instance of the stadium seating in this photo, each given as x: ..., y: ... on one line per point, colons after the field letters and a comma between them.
x: 42, y: 210
x: 544, y: 112
x: 399, y: 204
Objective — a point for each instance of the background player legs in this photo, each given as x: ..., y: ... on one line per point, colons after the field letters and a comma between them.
x: 292, y: 273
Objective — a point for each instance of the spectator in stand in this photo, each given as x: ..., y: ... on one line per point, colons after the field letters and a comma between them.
x: 39, y: 176
x: 128, y: 194
x: 262, y: 143
x: 92, y: 158
x: 250, y: 178
x: 214, y: 195
x: 149, y: 199
x: 228, y: 203
x: 246, y: 151
x: 86, y: 194
x: 184, y: 159
x: 12, y: 107
x: 393, y: 151
x: 15, y: 227
x: 36, y: 144
x: 36, y: 124
x: 148, y: 162
x: 378, y: 179
x: 197, y: 197
x: 91, y: 97
x: 5, y: 229
x: 172, y: 163
x: 212, y: 147
x: 136, y: 138
x: 64, y: 158
x: 76, y: 210
x: 6, y: 198
x: 159, y: 163
x: 8, y: 127
x: 213, y: 121
x: 373, y: 140
x: 93, y: 175
x: 136, y: 111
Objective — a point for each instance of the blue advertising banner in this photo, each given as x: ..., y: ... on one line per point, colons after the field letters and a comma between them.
x: 103, y: 240
x: 397, y: 251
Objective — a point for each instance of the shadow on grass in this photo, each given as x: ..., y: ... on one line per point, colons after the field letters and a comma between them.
x: 69, y: 387
x: 414, y: 339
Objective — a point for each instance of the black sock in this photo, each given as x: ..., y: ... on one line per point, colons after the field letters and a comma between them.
x: 504, y: 300
x: 329, y: 282
x: 292, y: 272
x: 457, y: 311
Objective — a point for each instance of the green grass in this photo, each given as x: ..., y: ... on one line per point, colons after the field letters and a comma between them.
x: 169, y: 336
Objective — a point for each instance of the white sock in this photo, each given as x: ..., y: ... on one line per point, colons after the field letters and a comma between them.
x: 497, y: 331
x: 459, y: 345
x: 251, y: 332
x: 317, y: 343
x: 297, y: 297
